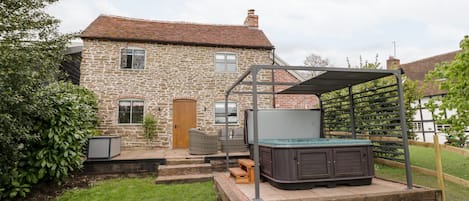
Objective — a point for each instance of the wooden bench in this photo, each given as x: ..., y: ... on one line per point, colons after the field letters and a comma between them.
x: 240, y: 175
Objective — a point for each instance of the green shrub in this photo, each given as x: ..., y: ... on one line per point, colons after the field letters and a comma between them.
x: 150, y: 126
x: 65, y: 117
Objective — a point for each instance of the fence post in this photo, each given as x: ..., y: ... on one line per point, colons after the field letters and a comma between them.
x: 439, y: 166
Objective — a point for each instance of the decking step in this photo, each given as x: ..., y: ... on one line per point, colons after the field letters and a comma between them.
x: 240, y: 175
x: 183, y: 178
x: 180, y: 161
x: 184, y: 169
x: 238, y: 172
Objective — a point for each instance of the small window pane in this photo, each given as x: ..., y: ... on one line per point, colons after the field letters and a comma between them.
x: 225, y: 62
x: 139, y: 61
x: 124, y: 111
x: 220, y: 113
x: 220, y: 57
x: 131, y: 111
x: 132, y: 58
x: 231, y: 67
x: 220, y: 67
x: 231, y: 57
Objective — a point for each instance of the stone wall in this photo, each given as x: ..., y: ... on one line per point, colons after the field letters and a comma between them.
x: 171, y: 72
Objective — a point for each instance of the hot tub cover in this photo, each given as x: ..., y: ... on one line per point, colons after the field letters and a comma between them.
x: 312, y: 142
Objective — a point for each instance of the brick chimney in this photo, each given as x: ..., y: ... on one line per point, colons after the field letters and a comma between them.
x: 252, y: 20
x: 392, y: 63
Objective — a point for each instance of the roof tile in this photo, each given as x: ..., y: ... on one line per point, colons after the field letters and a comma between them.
x: 128, y: 29
x: 417, y: 70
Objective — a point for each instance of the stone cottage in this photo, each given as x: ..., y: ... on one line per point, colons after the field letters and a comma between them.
x: 176, y: 71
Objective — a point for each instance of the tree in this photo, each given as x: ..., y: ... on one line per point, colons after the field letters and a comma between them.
x: 375, y: 109
x: 453, y: 78
x: 314, y: 60
x: 31, y: 49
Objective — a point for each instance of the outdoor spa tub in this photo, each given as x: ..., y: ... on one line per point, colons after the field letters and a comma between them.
x: 309, y: 162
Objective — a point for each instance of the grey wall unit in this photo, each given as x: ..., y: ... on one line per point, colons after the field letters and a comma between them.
x: 307, y: 167
x: 104, y: 147
x: 284, y: 124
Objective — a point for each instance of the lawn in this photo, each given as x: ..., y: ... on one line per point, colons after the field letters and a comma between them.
x: 454, y: 192
x: 453, y: 163
x: 142, y: 189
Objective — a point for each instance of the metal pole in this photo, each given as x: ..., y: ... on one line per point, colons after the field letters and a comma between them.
x: 352, y: 113
x: 256, y: 134
x: 321, y: 125
x: 226, y: 133
x: 408, y: 170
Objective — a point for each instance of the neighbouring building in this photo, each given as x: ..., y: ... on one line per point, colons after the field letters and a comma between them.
x: 424, y: 125
x: 176, y: 71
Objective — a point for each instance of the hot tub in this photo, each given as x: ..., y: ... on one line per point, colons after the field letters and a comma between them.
x: 308, y: 162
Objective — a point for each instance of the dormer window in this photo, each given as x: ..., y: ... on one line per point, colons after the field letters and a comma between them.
x: 132, y: 58
x: 225, y: 62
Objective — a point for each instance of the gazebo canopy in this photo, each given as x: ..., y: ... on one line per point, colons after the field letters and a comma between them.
x: 333, y: 80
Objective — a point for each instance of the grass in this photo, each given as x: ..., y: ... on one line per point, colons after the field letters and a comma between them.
x: 142, y: 189
x: 454, y: 192
x: 453, y: 163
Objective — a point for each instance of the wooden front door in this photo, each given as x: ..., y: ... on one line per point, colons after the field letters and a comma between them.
x: 184, y: 118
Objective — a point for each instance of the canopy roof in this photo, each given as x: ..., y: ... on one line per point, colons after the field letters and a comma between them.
x: 337, y: 79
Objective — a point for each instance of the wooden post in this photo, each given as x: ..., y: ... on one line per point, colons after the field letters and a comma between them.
x: 439, y: 166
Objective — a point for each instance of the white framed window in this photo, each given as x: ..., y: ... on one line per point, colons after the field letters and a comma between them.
x: 417, y: 126
x: 130, y: 111
x: 442, y: 127
x: 220, y: 112
x: 225, y: 62
x: 132, y: 58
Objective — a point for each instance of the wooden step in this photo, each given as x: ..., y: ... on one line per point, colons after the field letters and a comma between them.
x: 180, y: 161
x: 184, y: 169
x: 241, y: 176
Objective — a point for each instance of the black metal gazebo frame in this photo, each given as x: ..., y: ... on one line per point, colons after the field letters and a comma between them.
x: 330, y: 79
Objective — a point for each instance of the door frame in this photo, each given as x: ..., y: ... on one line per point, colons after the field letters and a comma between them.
x: 176, y: 118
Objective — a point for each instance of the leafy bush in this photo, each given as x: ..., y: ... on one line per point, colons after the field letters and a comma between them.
x: 150, y: 124
x: 65, y: 117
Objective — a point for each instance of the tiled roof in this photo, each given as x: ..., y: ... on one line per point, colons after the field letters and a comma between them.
x: 128, y: 29
x: 416, y: 70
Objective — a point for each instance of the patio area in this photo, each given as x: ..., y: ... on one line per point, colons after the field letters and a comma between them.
x: 146, y: 161
x: 379, y: 190
x: 161, y: 153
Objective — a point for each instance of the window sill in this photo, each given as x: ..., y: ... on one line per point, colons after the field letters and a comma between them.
x: 131, y: 69
x: 226, y: 72
x: 230, y: 124
x: 129, y: 124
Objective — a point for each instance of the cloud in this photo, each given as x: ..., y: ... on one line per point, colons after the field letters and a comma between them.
x: 334, y: 29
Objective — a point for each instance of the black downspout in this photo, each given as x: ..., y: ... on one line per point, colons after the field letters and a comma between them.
x: 321, y: 124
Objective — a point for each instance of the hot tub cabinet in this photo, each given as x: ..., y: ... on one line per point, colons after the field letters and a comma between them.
x: 306, y: 163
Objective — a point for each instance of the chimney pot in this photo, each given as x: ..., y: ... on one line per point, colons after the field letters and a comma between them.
x: 392, y: 63
x: 252, y: 20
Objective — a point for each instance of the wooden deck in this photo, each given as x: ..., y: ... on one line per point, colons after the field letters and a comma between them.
x: 147, y: 161
x: 379, y: 190
x: 169, y: 153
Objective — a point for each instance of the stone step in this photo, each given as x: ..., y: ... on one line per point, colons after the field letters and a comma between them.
x: 180, y: 161
x: 184, y: 169
x: 183, y: 178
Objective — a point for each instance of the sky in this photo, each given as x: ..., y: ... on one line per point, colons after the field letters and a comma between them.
x: 332, y: 29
